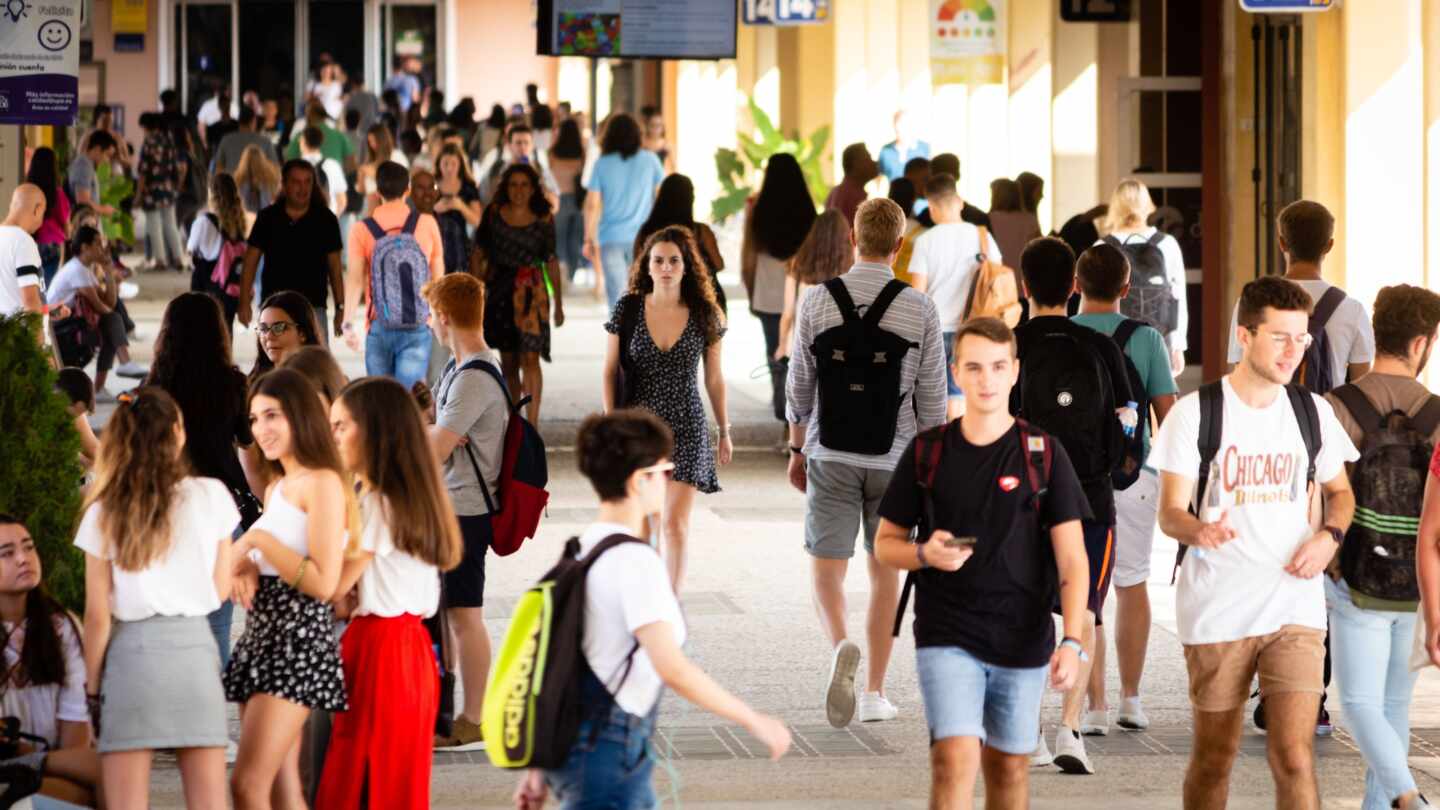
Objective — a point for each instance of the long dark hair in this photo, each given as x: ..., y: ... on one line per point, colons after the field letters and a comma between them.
x: 42, y: 654
x: 301, y: 312
x: 311, y: 441
x: 44, y: 173
x: 568, y: 143
x: 193, y: 364
x: 674, y: 205
x: 539, y: 206
x: 497, y: 117
x: 784, y: 209
x: 399, y: 466
x: 696, y: 290
x: 622, y: 135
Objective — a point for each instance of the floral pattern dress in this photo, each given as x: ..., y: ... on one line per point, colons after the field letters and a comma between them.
x: 667, y: 383
x: 517, y: 297
x: 158, y: 161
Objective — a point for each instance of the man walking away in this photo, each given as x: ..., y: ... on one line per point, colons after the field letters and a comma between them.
x: 1249, y: 599
x: 1073, y: 385
x: 1104, y: 275
x: 991, y: 501
x: 1395, y: 421
x: 468, y: 437
x: 393, y: 253
x: 859, y: 169
x: 842, y: 454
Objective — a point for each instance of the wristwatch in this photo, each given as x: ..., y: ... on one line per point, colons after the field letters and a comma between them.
x: 799, y: 451
x: 1070, y: 641
x: 1336, y: 533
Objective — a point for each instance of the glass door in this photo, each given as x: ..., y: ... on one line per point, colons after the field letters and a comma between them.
x: 267, y: 51
x: 411, y: 31
x: 204, y: 60
x: 335, y: 32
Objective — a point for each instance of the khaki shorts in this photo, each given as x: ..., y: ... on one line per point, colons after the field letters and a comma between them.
x: 1292, y: 659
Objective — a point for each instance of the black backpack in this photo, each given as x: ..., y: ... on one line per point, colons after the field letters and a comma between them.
x: 1150, y: 298
x: 857, y: 365
x: 1378, y: 555
x: 1133, y: 458
x: 1066, y: 391
x: 632, y: 309
x: 1316, y: 373
x: 1212, y: 427
x: 1039, y: 455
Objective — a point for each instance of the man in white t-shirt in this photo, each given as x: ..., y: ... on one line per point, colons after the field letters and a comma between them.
x: 1307, y: 231
x: 311, y: 139
x: 21, y: 287
x: 942, y: 265
x: 1250, y: 599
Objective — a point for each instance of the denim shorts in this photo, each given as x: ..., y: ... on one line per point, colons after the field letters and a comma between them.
x: 966, y: 697
x: 610, y: 765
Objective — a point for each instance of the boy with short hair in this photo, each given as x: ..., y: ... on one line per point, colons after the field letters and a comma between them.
x: 1103, y: 272
x: 1249, y: 598
x: 992, y: 501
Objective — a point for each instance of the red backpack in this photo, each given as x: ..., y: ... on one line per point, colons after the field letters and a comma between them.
x: 524, y: 473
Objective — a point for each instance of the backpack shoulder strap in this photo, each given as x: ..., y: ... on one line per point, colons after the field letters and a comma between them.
x: 882, y: 302
x: 1361, y: 409
x: 843, y: 301
x: 1212, y: 426
x: 1308, y: 416
x: 480, y: 364
x: 631, y: 308
x: 1039, y: 457
x: 374, y: 228
x: 605, y: 545
x: 1427, y: 418
x: 1112, y: 240
x: 410, y: 223
x: 1326, y: 306
x: 1155, y: 238
x: 984, y: 255
x: 929, y: 446
x: 1125, y: 331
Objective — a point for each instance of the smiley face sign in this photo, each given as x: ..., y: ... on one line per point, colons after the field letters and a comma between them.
x: 54, y: 35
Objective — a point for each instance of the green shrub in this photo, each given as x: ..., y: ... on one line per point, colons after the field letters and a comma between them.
x: 39, y: 458
x: 740, y: 178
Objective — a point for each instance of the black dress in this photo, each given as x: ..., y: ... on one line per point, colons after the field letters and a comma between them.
x: 517, y: 301
x: 667, y: 383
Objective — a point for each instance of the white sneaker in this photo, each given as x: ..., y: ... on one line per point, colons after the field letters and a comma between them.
x: 875, y: 707
x: 104, y: 397
x: 128, y: 290
x: 1132, y: 717
x: 1070, y: 752
x: 840, y: 688
x: 1095, y: 723
x: 1042, y: 758
x: 131, y: 369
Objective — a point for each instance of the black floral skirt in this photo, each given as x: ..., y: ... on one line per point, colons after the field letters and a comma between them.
x: 288, y: 650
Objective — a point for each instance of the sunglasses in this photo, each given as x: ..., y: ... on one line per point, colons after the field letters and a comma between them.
x: 664, y: 468
x: 277, y: 329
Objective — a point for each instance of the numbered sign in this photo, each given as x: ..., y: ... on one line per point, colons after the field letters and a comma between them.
x: 785, y: 12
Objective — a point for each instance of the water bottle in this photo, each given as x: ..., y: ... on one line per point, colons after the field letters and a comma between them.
x: 1130, y: 417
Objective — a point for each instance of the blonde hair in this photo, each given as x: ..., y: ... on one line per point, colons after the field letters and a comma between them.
x: 257, y: 171
x: 878, y: 226
x: 1130, y: 205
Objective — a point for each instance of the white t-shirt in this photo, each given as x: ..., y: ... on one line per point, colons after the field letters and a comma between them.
x: 182, y: 582
x: 1241, y: 590
x: 19, y: 267
x: 73, y: 276
x: 394, y: 583
x: 626, y: 589
x: 209, y: 112
x: 205, y: 239
x: 334, y: 179
x: 1352, y: 336
x: 41, y: 708
x: 1175, y: 274
x: 947, y: 256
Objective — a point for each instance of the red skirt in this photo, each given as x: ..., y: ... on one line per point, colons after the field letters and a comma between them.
x: 381, y: 748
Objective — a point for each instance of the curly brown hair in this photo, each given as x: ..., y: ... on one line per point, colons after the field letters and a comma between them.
x: 826, y: 252
x: 1273, y: 292
x: 695, y: 288
x: 1403, y: 313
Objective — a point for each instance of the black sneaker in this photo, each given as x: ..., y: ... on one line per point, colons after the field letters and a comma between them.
x: 1323, y: 726
x: 1259, y: 717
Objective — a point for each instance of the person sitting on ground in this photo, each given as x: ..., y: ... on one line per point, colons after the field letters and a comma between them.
x: 77, y: 388
x: 45, y: 673
x: 88, y: 285
x: 631, y: 615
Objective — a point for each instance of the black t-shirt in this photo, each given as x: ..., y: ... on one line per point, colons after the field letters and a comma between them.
x: 297, y: 251
x: 1100, y: 492
x: 984, y: 492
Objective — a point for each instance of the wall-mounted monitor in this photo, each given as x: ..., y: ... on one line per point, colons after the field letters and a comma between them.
x: 637, y: 29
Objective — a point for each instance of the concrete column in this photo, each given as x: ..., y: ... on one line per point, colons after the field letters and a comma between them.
x: 1074, y: 122
x: 1031, y: 89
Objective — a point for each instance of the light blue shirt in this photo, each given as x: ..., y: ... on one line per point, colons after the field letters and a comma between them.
x: 627, y: 190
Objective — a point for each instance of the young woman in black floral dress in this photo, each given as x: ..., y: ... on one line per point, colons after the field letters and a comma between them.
x: 677, y: 323
x: 517, y: 240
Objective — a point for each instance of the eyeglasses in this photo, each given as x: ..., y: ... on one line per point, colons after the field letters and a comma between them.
x: 1281, y: 340
x: 664, y: 468
x: 277, y: 329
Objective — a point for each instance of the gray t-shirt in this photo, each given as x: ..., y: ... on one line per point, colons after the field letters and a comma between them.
x: 232, y: 148
x: 472, y: 404
x: 83, y: 178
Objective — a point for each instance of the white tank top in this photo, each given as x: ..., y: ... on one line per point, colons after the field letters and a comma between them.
x: 287, y: 524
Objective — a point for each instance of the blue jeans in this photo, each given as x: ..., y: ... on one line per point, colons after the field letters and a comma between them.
x: 610, y: 765
x: 1371, y: 655
x: 220, y: 622
x: 615, y: 262
x: 966, y: 697
x: 400, y: 353
x: 952, y: 387
x: 569, y: 233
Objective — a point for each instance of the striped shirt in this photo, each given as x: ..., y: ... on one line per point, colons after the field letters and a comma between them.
x: 922, y: 372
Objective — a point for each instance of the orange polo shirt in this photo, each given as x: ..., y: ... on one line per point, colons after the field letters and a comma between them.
x: 391, y: 218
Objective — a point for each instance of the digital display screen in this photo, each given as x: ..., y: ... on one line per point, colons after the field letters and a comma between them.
x: 637, y: 29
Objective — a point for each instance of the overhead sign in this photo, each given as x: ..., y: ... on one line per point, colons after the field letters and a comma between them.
x: 1287, y: 6
x: 1095, y: 11
x: 785, y: 12
x: 39, y: 62
x: 967, y: 42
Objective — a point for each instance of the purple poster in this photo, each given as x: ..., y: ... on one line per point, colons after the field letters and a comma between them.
x: 39, y: 61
